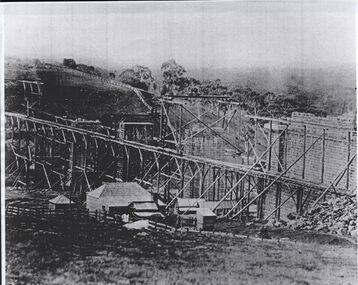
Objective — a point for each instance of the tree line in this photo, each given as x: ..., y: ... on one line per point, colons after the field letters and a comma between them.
x: 175, y: 81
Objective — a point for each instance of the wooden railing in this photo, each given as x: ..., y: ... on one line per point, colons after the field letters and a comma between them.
x: 80, y: 213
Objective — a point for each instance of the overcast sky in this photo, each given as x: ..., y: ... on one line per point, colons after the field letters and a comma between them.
x: 196, y: 34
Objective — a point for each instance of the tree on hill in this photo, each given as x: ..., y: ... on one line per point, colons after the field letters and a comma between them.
x: 69, y: 62
x: 193, y: 87
x: 85, y: 68
x: 138, y: 76
x: 174, y: 80
x: 216, y: 87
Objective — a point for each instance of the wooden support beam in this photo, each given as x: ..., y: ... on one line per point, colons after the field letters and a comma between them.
x: 87, y: 181
x: 206, y: 190
x: 323, y: 154
x: 205, y: 128
x: 180, y: 128
x: 183, y: 188
x: 188, y: 123
x: 257, y: 158
x: 280, y: 164
x: 47, y: 178
x: 215, y: 132
x: 278, y: 207
x: 230, y: 119
x: 170, y: 125
x: 278, y: 201
x: 250, y: 169
x: 278, y: 177
x: 299, y: 203
x: 270, y: 148
x: 348, y: 158
x: 335, y: 181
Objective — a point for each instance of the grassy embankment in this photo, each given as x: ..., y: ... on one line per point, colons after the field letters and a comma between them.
x: 72, y: 252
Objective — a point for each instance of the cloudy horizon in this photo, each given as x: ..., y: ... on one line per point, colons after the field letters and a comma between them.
x: 196, y: 34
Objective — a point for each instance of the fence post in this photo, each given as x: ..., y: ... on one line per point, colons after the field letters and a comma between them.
x: 104, y: 215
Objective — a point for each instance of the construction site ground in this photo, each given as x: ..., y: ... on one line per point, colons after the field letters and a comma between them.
x: 75, y: 252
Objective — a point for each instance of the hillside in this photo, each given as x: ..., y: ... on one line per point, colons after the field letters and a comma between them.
x: 71, y: 92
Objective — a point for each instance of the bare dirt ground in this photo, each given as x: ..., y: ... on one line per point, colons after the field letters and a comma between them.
x: 74, y: 252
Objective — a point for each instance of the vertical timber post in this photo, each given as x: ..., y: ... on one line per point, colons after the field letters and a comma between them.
x: 286, y: 148
x: 237, y: 187
x: 225, y: 183
x: 214, y: 186
x: 19, y: 135
x: 248, y: 199
x: 202, y: 181
x: 180, y: 128
x: 304, y: 151
x: 161, y: 125
x: 182, y: 178
x: 278, y: 200
x: 299, y: 208
x: 260, y: 187
x: 239, y: 128
x: 323, y: 154
x: 270, y: 150
x: 27, y: 133
x: 299, y: 197
x: 281, y: 161
x: 159, y: 173
x: 255, y: 138
x: 35, y: 148
x: 348, y: 158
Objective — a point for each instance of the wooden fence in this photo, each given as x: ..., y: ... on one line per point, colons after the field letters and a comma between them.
x: 79, y: 214
x: 159, y: 226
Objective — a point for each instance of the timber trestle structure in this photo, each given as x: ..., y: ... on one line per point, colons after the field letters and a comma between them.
x: 55, y: 155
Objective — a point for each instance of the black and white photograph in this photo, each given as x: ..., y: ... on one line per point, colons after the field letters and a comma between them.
x: 179, y: 142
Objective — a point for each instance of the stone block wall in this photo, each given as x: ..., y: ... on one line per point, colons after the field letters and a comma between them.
x: 323, y: 162
x: 327, y: 157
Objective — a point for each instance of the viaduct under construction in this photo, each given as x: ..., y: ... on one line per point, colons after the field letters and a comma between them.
x: 238, y: 162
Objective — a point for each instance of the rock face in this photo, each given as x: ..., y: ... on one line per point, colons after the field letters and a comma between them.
x: 336, y: 215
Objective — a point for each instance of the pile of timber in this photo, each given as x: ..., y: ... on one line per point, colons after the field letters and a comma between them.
x: 336, y: 215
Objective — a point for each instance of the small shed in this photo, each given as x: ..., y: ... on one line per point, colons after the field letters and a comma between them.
x: 188, y: 206
x: 144, y: 210
x: 205, y: 219
x: 186, y: 211
x: 115, y: 197
x: 61, y: 202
